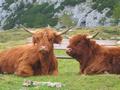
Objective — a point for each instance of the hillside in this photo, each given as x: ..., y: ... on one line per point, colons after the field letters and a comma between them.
x: 40, y: 13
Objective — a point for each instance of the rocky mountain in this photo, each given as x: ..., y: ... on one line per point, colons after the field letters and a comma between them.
x: 39, y: 13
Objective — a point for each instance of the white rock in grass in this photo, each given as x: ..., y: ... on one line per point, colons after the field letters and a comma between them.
x: 28, y: 83
x: 59, y: 85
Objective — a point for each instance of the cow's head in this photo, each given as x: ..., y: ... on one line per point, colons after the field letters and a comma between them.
x: 80, y: 46
x: 44, y: 39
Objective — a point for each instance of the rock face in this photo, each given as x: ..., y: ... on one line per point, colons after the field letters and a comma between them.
x: 86, y: 16
x: 81, y: 13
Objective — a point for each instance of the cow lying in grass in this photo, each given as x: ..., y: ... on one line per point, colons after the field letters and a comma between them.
x: 94, y: 58
x: 33, y: 59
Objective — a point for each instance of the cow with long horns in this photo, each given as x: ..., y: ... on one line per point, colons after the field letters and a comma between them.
x: 33, y: 59
x: 94, y: 58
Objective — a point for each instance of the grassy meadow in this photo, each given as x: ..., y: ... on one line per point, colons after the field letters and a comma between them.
x: 68, y: 69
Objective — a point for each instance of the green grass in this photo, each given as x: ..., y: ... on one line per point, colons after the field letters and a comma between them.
x: 68, y: 75
x: 68, y: 69
x: 13, y: 35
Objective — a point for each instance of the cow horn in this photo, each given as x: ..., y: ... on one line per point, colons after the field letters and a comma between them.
x: 26, y: 29
x: 49, y: 26
x: 93, y: 36
x: 65, y: 31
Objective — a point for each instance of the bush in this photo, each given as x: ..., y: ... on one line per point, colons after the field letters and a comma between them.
x: 102, y: 4
x: 116, y: 13
x: 66, y: 20
x: 33, y: 15
x: 72, y: 2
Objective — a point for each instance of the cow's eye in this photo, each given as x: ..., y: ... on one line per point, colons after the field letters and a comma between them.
x: 79, y: 43
x: 50, y: 40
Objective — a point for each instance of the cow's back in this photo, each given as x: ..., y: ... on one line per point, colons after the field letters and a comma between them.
x: 113, y: 50
x: 115, y: 54
x: 10, y: 58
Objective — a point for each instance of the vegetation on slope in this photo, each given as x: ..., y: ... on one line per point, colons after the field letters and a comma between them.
x: 35, y: 15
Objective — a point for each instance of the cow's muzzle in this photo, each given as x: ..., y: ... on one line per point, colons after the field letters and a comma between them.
x: 68, y: 50
x: 43, y: 49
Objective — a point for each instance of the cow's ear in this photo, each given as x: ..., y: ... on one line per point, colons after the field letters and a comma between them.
x: 87, y: 41
x: 92, y: 44
x: 34, y: 40
x: 58, y: 38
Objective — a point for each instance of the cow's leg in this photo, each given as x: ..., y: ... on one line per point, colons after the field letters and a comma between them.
x: 87, y: 71
x: 55, y: 72
x: 24, y: 70
x: 81, y: 71
x: 0, y: 70
x: 54, y: 68
x: 44, y: 68
x: 94, y: 70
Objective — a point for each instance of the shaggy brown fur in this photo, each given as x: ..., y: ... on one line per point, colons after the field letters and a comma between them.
x: 33, y: 59
x: 94, y: 58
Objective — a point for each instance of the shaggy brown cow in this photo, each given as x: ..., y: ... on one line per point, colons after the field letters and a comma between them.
x: 94, y: 58
x: 33, y: 59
